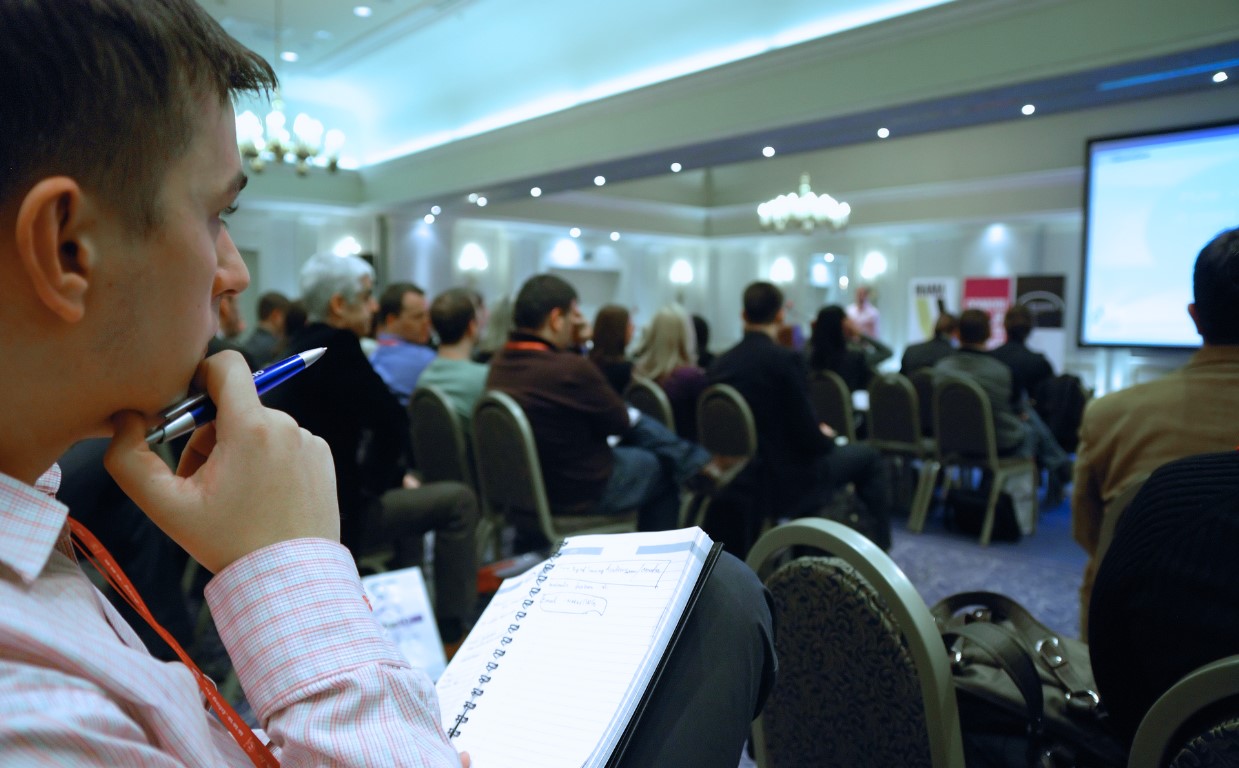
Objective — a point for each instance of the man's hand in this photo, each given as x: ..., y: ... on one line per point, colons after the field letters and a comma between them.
x: 827, y: 430
x: 248, y: 480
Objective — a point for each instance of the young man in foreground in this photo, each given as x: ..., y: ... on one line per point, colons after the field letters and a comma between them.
x: 113, y: 262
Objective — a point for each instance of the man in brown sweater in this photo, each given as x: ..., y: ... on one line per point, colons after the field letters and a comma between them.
x: 573, y: 412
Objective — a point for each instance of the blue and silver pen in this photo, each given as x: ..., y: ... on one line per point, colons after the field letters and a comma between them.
x: 196, y: 410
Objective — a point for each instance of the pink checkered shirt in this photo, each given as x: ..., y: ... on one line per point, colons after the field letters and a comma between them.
x: 77, y: 687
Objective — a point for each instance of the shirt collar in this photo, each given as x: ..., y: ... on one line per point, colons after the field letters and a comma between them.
x: 31, y: 522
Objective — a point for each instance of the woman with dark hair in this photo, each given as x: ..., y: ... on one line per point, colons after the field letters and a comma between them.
x: 612, y: 334
x: 836, y: 345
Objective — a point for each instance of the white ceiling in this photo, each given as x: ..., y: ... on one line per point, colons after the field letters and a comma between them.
x: 422, y: 73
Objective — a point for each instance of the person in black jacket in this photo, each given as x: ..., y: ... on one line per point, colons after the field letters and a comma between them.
x: 926, y: 354
x: 798, y: 462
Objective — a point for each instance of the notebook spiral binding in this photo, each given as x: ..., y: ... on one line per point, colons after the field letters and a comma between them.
x: 500, y: 651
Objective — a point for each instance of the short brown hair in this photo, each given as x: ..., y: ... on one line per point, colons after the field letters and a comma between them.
x: 451, y: 312
x: 104, y: 91
x: 974, y: 327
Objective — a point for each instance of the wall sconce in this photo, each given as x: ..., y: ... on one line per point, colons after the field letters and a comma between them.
x: 566, y: 253
x: 681, y: 272
x: 347, y: 246
x: 782, y: 270
x: 873, y: 266
x: 472, y: 258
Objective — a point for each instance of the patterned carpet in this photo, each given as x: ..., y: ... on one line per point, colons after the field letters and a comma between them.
x: 1042, y: 572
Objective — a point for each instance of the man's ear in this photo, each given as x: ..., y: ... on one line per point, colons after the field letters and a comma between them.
x: 51, y: 248
x: 1191, y: 310
x: 336, y: 305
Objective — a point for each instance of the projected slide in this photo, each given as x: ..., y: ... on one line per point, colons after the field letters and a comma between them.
x: 1153, y: 202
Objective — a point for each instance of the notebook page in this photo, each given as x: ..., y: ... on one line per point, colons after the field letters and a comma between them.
x: 576, y: 666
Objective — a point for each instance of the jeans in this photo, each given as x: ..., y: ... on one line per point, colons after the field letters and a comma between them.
x: 651, y: 463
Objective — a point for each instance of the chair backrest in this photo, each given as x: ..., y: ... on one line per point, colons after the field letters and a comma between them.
x: 894, y: 412
x: 439, y: 441
x: 509, y: 473
x: 646, y: 396
x: 832, y: 401
x: 863, y: 676
x: 1162, y: 735
x: 923, y: 381
x: 963, y: 423
x: 725, y: 422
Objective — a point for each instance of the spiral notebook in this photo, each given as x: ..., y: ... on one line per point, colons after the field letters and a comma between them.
x: 561, y: 664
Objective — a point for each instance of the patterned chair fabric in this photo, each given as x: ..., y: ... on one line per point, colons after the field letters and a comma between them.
x: 848, y: 692
x: 1217, y: 747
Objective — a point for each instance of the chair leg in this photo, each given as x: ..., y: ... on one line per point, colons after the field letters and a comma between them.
x: 991, y: 506
x: 924, y: 495
x: 1035, y: 511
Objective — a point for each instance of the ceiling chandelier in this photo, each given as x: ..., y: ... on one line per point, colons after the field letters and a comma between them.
x: 803, y: 210
x: 269, y: 140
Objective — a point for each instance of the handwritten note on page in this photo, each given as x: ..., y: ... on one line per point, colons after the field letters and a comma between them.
x: 557, y: 665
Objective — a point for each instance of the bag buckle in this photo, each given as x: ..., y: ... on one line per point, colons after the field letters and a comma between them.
x: 978, y: 614
x: 1085, y: 701
x: 1050, y: 652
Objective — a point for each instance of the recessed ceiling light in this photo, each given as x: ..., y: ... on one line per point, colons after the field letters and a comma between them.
x: 575, y: 232
x: 1219, y: 77
x: 429, y: 218
x: 768, y: 151
x: 599, y: 181
x: 676, y: 167
x: 436, y: 210
x: 362, y: 11
x: 473, y: 197
x: 482, y: 202
x: 615, y: 236
x: 1028, y: 109
x: 289, y: 56
x: 535, y: 192
x: 883, y: 133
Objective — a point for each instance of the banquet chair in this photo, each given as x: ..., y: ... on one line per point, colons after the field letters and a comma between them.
x: 923, y: 382
x: 832, y: 402
x: 863, y: 676
x: 724, y: 428
x: 1195, y: 723
x: 895, y: 429
x: 442, y: 451
x: 646, y: 396
x: 964, y: 431
x: 510, y: 484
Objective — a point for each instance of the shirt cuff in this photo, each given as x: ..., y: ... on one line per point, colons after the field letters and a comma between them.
x: 292, y: 613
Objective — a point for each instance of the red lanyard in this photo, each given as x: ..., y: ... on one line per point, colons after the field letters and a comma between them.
x: 97, y: 554
x: 531, y: 346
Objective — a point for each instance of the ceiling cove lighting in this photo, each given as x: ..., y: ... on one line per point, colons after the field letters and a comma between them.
x: 803, y: 210
x: 264, y: 141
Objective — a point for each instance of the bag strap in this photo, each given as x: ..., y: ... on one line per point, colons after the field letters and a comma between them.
x: 1005, y: 648
x: 1044, y: 642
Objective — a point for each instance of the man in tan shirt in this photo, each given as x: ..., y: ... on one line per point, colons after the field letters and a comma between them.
x: 1128, y: 434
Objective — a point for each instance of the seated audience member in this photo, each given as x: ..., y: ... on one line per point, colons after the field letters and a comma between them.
x: 1129, y: 433
x: 611, y: 337
x: 797, y: 462
x: 267, y: 341
x: 1028, y: 368
x: 973, y: 361
x: 1164, y: 599
x: 131, y: 239
x: 705, y: 358
x: 454, y: 316
x: 667, y: 357
x: 231, y: 326
x: 403, y: 336
x: 926, y: 354
x: 572, y: 410
x: 831, y: 348
x: 495, y: 333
